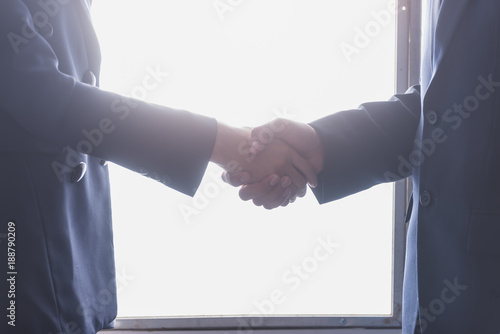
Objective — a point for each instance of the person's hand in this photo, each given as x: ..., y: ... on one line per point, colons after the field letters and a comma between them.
x: 278, y: 191
x: 232, y: 151
x: 293, y: 181
x: 301, y: 137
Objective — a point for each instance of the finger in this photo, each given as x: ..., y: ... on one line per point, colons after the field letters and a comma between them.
x: 296, y: 178
x: 256, y: 147
x: 292, y: 197
x: 299, y: 184
x: 301, y: 192
x: 306, y: 169
x: 279, y: 199
x: 278, y: 196
x: 286, y: 203
x: 294, y: 191
x: 266, y: 133
x: 236, y: 179
x: 259, y: 189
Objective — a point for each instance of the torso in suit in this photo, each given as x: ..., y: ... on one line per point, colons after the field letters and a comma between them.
x: 446, y: 135
x: 57, y: 130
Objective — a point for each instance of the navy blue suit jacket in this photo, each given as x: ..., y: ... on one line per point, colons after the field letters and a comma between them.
x: 446, y: 135
x: 57, y: 129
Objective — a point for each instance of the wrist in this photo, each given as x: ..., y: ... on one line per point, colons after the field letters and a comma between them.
x: 229, y: 148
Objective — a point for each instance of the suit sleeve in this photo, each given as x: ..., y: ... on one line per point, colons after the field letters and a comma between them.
x: 57, y: 109
x: 364, y: 147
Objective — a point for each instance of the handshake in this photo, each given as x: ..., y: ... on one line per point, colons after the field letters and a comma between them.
x: 273, y: 163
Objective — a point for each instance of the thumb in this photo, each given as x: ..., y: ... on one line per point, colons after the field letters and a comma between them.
x: 276, y: 129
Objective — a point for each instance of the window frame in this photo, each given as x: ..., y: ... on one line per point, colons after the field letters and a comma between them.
x: 408, y: 24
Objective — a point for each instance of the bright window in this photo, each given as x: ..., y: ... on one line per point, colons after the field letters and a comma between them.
x: 245, y: 63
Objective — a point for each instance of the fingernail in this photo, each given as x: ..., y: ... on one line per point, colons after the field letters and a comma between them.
x: 274, y: 181
x: 286, y: 183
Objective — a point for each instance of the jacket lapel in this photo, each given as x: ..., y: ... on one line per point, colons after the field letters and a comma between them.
x: 449, y: 15
x: 93, y: 49
x: 85, y: 8
x: 87, y: 2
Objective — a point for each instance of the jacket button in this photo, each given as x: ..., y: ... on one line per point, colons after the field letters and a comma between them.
x: 46, y: 30
x: 425, y: 198
x: 89, y: 78
x: 103, y: 162
x: 432, y: 117
x: 78, y: 172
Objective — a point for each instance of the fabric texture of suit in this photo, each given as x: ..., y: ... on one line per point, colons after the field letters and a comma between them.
x: 445, y: 133
x: 57, y: 129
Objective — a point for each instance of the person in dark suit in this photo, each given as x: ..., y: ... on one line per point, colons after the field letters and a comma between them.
x: 445, y: 134
x: 58, y: 130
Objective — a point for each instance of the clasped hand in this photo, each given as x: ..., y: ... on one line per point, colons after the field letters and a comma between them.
x: 272, y: 163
